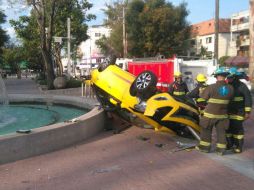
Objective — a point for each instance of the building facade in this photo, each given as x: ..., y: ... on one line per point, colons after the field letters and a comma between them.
x: 240, y: 38
x: 203, y: 38
x: 91, y: 54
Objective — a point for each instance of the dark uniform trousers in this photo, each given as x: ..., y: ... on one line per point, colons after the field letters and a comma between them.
x: 235, y: 135
x: 241, y: 104
x: 207, y: 125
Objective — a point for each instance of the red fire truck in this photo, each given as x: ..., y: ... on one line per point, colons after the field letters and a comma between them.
x: 162, y: 68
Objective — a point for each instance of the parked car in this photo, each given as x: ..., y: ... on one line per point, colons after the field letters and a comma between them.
x: 120, y: 91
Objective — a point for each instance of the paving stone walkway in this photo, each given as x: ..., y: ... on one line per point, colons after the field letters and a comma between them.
x: 136, y: 159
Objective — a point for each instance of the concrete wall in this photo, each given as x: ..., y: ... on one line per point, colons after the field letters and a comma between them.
x: 50, y: 138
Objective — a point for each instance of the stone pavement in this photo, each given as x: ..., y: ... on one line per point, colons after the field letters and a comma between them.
x: 21, y: 86
x: 136, y: 159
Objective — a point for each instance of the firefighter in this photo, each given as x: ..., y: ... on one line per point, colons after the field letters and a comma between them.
x: 178, y: 88
x: 239, y: 110
x: 201, y: 103
x: 218, y: 96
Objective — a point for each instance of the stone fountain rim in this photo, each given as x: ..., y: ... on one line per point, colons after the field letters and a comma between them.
x: 53, y: 137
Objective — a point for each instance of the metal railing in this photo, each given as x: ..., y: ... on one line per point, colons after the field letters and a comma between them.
x: 87, y: 90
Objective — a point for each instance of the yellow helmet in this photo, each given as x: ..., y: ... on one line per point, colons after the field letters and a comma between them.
x: 201, y: 78
x: 177, y: 74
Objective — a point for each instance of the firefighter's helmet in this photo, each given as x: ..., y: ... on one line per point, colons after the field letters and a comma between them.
x: 221, y: 71
x: 233, y: 71
x: 201, y: 78
x: 177, y: 74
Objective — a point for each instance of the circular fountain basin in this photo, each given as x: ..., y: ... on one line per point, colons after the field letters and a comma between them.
x: 24, y: 117
x: 52, y: 137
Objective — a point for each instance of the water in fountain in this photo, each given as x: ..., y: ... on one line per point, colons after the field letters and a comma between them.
x: 4, y: 100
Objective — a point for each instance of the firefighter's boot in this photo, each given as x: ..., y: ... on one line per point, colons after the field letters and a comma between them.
x: 204, y: 146
x: 238, y: 145
x: 230, y: 142
x: 220, y: 149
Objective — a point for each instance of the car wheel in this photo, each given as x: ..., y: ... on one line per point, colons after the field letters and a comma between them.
x: 144, y: 86
x: 133, y: 89
x: 102, y: 66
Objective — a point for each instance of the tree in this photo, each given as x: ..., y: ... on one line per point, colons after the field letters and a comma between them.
x: 13, y: 56
x: 153, y: 27
x: 203, y: 52
x: 3, y: 35
x: 113, y: 46
x: 27, y: 31
x: 222, y: 60
x: 50, y: 16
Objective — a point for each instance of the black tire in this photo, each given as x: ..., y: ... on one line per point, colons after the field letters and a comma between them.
x: 144, y: 86
x: 102, y: 66
x: 133, y: 90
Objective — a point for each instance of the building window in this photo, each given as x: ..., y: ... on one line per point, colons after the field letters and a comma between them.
x: 97, y: 34
x: 209, y: 40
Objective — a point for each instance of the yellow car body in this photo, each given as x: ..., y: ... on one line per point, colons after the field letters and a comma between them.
x: 112, y: 87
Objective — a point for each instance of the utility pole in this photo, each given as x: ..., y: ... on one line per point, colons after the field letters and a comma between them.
x: 69, y: 45
x: 124, y: 35
x: 251, y: 49
x: 216, y: 27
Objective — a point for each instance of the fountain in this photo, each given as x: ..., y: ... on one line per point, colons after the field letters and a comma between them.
x: 3, y: 93
x: 34, y: 124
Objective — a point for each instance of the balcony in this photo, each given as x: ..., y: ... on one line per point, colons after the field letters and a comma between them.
x: 245, y: 42
x: 240, y: 27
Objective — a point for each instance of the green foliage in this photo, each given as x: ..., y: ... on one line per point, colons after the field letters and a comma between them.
x: 42, y: 82
x: 113, y: 45
x: 27, y: 31
x: 12, y: 57
x: 41, y: 76
x: 3, y: 35
x: 203, y: 52
x: 73, y: 83
x: 75, y: 10
x: 222, y: 60
x: 153, y: 27
x: 51, y: 15
x: 41, y: 79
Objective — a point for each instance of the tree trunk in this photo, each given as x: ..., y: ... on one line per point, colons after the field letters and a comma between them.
x: 49, y: 68
x: 46, y: 36
x: 19, y: 74
x: 58, y: 61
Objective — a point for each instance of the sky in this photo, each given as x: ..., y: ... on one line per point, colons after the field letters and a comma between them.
x: 199, y: 10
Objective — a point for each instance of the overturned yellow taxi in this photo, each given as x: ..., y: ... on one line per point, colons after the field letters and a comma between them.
x: 119, y: 90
